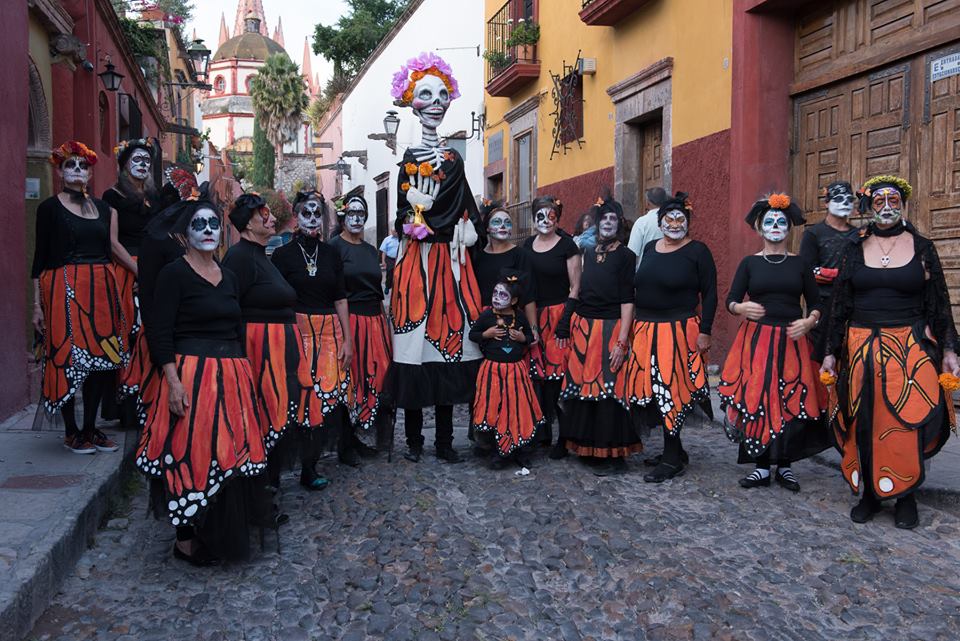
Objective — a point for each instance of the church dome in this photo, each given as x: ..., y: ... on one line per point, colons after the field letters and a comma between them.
x: 248, y: 46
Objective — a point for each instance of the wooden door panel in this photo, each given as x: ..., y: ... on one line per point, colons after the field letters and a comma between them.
x: 651, y: 150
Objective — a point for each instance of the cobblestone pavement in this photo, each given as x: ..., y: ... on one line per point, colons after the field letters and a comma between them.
x: 429, y: 551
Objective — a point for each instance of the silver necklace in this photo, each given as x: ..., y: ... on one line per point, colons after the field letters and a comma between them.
x: 885, y: 257
x: 772, y: 262
x: 310, y: 260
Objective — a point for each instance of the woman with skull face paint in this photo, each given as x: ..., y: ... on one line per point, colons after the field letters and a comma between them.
x: 666, y: 371
x: 369, y: 330
x: 768, y: 387
x: 315, y: 271
x: 76, y: 301
x: 505, y: 404
x: 598, y: 423
x: 555, y: 261
x: 272, y: 338
x: 892, y: 330
x: 202, y: 431
x: 435, y: 298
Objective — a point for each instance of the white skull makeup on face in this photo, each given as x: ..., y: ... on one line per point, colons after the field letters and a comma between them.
x: 355, y: 217
x: 203, y: 233
x: 608, y: 226
x: 501, y: 298
x: 138, y: 164
x: 431, y: 99
x: 545, y: 220
x: 774, y: 226
x: 840, y: 201
x: 75, y: 171
x: 887, y: 206
x: 674, y: 225
x: 500, y: 226
x: 310, y: 217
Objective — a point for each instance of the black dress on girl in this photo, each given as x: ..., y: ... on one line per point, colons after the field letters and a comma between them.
x: 490, y: 267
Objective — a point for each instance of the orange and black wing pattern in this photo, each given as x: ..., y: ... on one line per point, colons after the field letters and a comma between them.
x: 548, y: 361
x: 506, y: 404
x: 445, y: 316
x: 372, y: 354
x: 322, y: 339
x: 588, y: 375
x: 408, y: 296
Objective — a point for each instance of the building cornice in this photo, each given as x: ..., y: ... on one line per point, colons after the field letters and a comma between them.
x: 54, y: 17
x: 657, y: 72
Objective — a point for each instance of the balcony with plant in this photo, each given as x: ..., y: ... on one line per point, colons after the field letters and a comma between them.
x: 511, y: 53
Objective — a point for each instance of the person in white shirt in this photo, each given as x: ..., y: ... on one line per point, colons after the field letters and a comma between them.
x: 646, y: 227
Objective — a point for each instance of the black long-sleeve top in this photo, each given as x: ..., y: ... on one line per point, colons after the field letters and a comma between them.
x: 265, y: 295
x: 315, y: 294
x: 193, y: 316
x: 605, y: 286
x: 488, y: 268
x: 63, y: 238
x: 822, y: 247
x: 133, y: 214
x: 671, y: 285
x: 933, y: 297
x: 549, y: 268
x: 362, y: 275
x: 776, y: 286
x: 155, y: 254
x: 505, y: 350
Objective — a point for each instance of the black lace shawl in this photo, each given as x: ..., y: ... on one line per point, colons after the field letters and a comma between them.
x: 936, y: 298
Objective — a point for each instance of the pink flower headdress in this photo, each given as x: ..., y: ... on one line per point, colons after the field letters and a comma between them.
x: 427, y: 63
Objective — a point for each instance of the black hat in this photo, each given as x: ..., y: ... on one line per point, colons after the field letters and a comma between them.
x: 243, y: 209
x: 306, y: 194
x: 346, y: 203
x: 835, y: 188
x: 604, y: 205
x: 126, y: 148
x: 679, y: 202
x: 780, y: 202
x: 488, y: 208
x: 176, y: 218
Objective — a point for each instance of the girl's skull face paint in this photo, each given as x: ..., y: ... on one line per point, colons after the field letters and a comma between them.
x: 500, y: 226
x: 609, y: 225
x: 774, y: 226
x: 545, y: 220
x: 501, y: 298
x: 887, y: 206
x: 310, y: 217
x: 356, y: 217
x: 431, y: 99
x: 840, y: 202
x: 674, y: 225
x: 204, y: 231
x: 138, y: 165
x: 75, y: 171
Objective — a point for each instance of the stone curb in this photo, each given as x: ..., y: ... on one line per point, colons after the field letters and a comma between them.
x: 39, y: 576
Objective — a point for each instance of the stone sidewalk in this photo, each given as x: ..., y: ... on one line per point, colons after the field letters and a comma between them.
x: 51, y: 504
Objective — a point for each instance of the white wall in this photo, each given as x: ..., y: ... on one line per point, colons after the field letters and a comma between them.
x: 453, y: 34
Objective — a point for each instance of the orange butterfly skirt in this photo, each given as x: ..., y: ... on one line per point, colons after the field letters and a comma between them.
x: 322, y: 340
x: 85, y: 330
x: 506, y: 404
x: 891, y: 413
x: 548, y: 361
x: 372, y: 354
x: 217, y: 440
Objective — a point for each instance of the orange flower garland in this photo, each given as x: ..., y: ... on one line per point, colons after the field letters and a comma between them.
x: 410, y: 168
x: 828, y: 379
x: 949, y: 382
x: 405, y: 187
x: 426, y: 169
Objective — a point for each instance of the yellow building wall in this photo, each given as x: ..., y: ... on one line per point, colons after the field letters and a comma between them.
x: 697, y: 34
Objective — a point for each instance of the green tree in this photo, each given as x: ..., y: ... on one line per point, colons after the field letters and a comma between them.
x: 279, y: 95
x: 264, y: 159
x: 350, y: 42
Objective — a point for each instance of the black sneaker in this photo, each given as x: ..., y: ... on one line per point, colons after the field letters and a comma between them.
x: 654, y: 461
x: 864, y: 510
x: 754, y: 479
x: 664, y: 472
x: 413, y: 454
x: 905, y: 514
x: 448, y: 455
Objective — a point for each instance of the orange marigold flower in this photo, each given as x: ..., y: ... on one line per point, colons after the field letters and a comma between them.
x: 410, y: 168
x: 949, y: 382
x: 828, y: 379
x: 426, y: 169
x: 405, y: 187
x: 779, y: 201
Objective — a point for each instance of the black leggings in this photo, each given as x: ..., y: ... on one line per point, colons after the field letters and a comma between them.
x: 413, y: 427
x: 548, y: 394
x: 763, y: 461
x: 93, y: 389
x: 672, y: 448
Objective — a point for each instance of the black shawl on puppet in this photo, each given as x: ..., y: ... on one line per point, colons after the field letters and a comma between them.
x: 451, y: 201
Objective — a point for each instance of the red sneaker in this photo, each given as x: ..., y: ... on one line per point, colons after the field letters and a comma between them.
x: 79, y: 445
x: 103, y: 442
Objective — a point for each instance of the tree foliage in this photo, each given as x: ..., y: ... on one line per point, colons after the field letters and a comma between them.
x: 264, y: 159
x: 279, y: 95
x: 350, y: 42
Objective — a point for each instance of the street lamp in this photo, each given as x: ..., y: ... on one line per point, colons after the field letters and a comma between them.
x: 200, y: 57
x: 391, y: 123
x: 109, y: 77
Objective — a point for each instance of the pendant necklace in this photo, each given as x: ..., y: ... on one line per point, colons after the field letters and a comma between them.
x: 310, y: 260
x: 773, y: 262
x: 885, y: 252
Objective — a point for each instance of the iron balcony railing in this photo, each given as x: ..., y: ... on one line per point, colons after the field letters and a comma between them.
x: 500, y: 56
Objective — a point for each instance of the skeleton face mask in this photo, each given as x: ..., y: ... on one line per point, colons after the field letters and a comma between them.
x: 431, y: 99
x: 500, y: 226
x: 138, y: 165
x: 608, y: 226
x: 204, y: 231
x: 774, y: 226
x: 887, y: 206
x: 310, y: 217
x: 75, y: 171
x: 545, y: 220
x: 840, y: 201
x: 501, y: 297
x: 356, y: 217
x: 674, y: 225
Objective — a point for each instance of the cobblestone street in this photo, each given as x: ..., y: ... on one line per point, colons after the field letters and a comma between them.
x: 402, y: 551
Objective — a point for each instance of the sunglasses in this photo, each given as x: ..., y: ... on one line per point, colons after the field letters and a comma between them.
x: 202, y: 224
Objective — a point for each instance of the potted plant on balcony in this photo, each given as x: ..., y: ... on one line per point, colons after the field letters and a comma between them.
x: 498, y: 59
x: 524, y: 37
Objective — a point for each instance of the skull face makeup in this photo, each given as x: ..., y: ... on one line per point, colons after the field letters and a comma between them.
x: 887, y: 206
x: 500, y: 226
x: 674, y: 225
x: 608, y: 225
x: 431, y: 99
x: 545, y: 220
x: 75, y: 171
x: 774, y: 226
x: 840, y: 201
x: 501, y: 298
x: 355, y: 217
x: 310, y: 217
x: 204, y: 231
x: 138, y: 165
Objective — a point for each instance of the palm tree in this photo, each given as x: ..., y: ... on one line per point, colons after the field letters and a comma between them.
x: 279, y: 95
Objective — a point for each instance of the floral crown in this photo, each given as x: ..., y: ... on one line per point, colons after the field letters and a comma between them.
x: 72, y: 148
x: 427, y: 63
x: 122, y: 146
x: 890, y: 181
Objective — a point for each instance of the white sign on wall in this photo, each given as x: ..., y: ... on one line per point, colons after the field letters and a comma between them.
x: 33, y: 189
x: 945, y: 67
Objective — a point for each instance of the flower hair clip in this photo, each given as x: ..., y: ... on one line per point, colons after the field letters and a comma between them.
x: 599, y: 202
x: 778, y: 201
